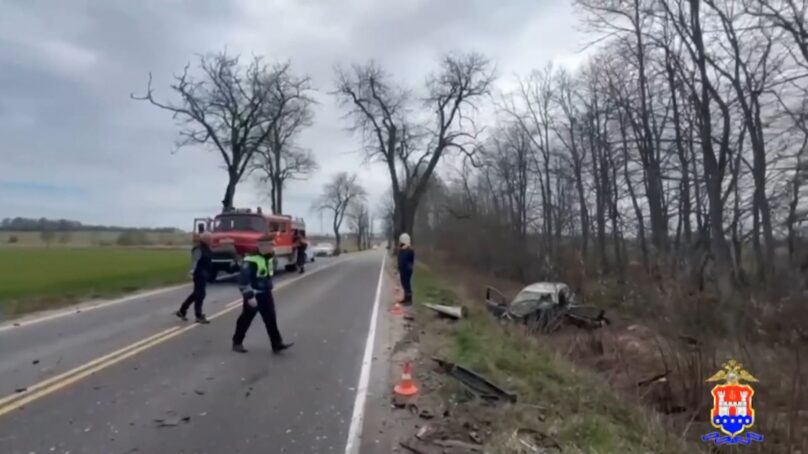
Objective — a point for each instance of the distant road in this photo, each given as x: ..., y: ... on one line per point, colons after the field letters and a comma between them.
x: 99, y: 381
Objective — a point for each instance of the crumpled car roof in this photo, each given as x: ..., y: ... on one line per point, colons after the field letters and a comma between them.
x: 545, y: 287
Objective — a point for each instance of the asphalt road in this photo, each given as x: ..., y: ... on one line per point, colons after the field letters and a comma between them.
x: 129, y: 377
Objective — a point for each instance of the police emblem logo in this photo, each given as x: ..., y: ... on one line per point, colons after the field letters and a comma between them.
x: 732, y: 413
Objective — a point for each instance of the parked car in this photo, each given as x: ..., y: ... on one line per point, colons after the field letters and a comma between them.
x: 323, y: 250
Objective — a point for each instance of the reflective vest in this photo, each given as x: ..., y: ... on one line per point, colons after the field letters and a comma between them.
x: 264, y: 266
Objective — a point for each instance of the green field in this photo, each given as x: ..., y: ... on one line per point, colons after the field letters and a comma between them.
x: 33, y: 278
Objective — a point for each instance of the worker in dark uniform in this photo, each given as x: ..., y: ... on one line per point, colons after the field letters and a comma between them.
x: 302, y: 245
x: 406, y: 266
x: 255, y: 284
x: 200, y: 270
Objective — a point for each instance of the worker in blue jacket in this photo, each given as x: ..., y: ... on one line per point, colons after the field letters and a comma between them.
x: 255, y: 283
x: 200, y: 271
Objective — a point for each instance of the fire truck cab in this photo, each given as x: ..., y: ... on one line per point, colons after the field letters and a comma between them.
x: 235, y: 233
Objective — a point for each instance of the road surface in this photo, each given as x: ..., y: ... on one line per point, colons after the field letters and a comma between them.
x: 128, y: 377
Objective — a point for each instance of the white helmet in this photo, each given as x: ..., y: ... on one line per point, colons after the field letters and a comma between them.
x: 404, y: 239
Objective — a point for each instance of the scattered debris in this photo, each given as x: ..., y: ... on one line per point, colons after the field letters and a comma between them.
x: 475, y: 382
x: 172, y: 421
x: 467, y: 447
x: 36, y: 361
x: 201, y: 393
x: 475, y: 437
x: 656, y: 378
x: 452, y: 312
x: 545, y: 307
x: 424, y: 432
x: 20, y: 390
x: 529, y: 441
x: 410, y: 446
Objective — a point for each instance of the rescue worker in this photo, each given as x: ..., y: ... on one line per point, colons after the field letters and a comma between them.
x: 255, y: 284
x: 302, y: 245
x: 200, y: 271
x: 406, y: 266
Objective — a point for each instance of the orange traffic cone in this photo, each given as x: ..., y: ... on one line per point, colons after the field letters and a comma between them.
x: 397, y: 309
x: 406, y: 387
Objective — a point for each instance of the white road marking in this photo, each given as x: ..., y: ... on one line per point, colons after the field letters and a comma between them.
x: 358, y: 416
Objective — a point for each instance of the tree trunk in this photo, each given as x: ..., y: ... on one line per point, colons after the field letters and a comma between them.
x: 337, y: 238
x: 278, y: 203
x: 273, y: 197
x: 230, y: 191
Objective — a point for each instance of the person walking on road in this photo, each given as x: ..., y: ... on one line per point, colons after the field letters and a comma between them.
x: 406, y: 266
x: 302, y: 245
x: 255, y: 283
x: 200, y: 270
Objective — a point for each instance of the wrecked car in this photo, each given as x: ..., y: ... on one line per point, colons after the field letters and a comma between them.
x: 544, y: 307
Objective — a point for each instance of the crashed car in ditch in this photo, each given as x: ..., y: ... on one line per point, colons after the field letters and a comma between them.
x: 544, y: 307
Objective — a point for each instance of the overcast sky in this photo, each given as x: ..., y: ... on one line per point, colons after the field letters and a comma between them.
x: 73, y: 145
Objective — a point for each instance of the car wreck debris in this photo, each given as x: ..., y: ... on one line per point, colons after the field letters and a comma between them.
x: 545, y: 307
x: 452, y: 312
x: 475, y: 382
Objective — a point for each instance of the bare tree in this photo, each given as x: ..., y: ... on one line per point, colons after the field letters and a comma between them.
x: 337, y: 197
x: 229, y: 106
x: 360, y: 223
x: 388, y: 120
x: 279, y: 159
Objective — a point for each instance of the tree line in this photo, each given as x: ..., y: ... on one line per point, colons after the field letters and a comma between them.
x: 20, y: 224
x: 678, y: 148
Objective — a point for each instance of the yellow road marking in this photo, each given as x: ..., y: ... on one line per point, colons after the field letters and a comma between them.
x: 53, y: 384
x: 92, y: 363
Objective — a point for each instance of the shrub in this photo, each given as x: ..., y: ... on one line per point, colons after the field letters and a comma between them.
x: 13, y: 239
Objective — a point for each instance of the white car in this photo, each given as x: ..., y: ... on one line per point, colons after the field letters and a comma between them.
x: 323, y: 250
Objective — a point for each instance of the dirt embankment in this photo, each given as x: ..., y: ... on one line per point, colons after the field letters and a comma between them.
x: 653, y: 371
x: 558, y: 408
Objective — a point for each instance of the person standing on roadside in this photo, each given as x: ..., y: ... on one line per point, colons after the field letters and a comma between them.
x: 406, y: 266
x: 255, y: 283
x: 302, y: 245
x: 200, y: 271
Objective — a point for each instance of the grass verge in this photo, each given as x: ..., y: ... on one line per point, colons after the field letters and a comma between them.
x: 572, y: 410
x: 36, y: 278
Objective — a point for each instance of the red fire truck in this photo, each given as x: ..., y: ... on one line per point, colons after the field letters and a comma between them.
x: 235, y: 233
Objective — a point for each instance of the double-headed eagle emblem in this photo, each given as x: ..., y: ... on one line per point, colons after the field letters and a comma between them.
x: 733, y: 373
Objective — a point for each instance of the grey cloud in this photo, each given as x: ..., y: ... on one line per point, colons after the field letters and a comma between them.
x: 68, y: 69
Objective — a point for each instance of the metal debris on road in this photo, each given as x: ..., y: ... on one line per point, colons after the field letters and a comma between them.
x: 201, y: 393
x: 452, y: 312
x: 475, y: 382
x: 172, y: 421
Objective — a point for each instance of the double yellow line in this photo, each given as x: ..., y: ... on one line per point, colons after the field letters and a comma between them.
x: 63, y: 380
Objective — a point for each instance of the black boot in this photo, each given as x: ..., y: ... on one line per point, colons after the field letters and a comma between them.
x: 181, y: 315
x: 238, y: 348
x: 281, y: 347
x: 202, y: 320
